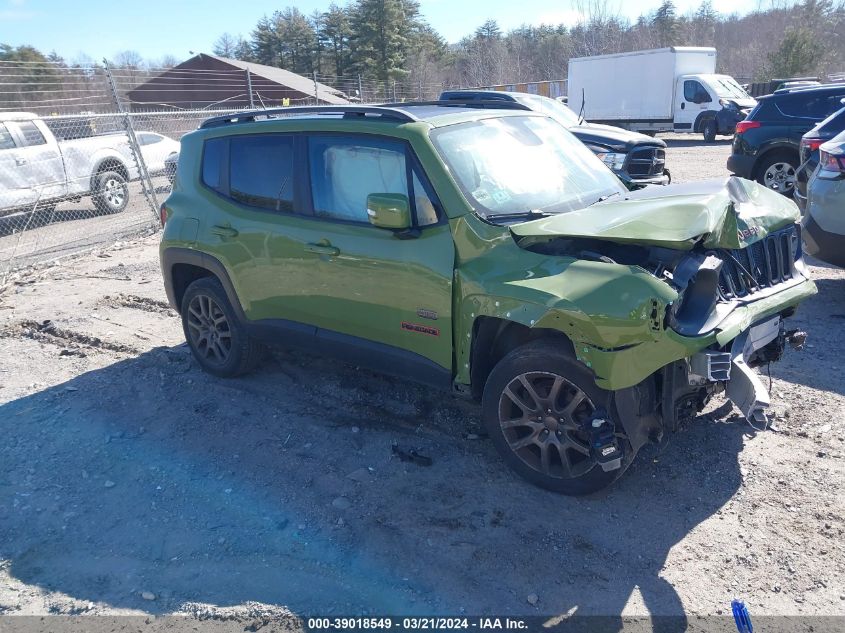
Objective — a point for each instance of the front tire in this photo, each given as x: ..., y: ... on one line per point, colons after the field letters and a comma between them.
x: 709, y: 130
x: 536, y: 404
x: 111, y: 192
x: 217, y: 338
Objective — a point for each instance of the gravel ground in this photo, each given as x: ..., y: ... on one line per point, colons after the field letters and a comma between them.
x: 132, y: 483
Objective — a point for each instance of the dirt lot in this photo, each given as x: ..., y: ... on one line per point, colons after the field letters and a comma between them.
x: 130, y: 482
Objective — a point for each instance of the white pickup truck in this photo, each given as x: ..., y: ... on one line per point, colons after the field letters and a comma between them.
x: 37, y: 170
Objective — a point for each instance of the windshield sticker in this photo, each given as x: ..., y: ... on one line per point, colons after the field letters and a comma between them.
x: 501, y: 196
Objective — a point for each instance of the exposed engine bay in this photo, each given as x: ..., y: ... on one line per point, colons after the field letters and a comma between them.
x: 711, y: 283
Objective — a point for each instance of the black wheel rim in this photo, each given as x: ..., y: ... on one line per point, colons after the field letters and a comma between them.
x: 209, y: 330
x: 543, y: 416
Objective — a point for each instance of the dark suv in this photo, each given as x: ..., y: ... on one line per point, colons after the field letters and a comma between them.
x: 638, y: 160
x: 766, y: 143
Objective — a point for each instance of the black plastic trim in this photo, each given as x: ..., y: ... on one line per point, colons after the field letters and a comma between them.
x: 379, y: 357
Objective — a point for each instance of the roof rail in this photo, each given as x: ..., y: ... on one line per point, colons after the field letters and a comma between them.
x: 820, y: 87
x: 493, y: 104
x: 386, y: 113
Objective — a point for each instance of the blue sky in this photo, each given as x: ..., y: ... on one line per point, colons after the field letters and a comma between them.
x: 154, y: 28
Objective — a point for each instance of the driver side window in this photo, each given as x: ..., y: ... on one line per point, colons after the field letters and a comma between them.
x: 694, y: 92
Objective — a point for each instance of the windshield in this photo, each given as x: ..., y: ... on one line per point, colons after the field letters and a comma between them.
x: 727, y: 88
x: 550, y: 107
x: 517, y: 164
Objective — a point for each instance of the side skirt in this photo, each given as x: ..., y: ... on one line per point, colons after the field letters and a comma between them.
x: 378, y: 357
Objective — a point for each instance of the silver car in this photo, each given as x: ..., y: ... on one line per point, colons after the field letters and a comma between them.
x: 824, y: 221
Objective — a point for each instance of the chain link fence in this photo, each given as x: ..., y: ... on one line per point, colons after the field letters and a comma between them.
x: 86, y: 156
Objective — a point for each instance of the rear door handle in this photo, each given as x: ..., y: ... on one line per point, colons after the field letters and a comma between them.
x: 322, y: 249
x: 224, y: 231
x: 20, y: 161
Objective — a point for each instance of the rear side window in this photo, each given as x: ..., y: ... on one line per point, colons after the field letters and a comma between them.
x: 6, y: 140
x: 815, y: 107
x: 261, y: 171
x: 213, y: 163
x: 835, y: 123
x: 31, y: 134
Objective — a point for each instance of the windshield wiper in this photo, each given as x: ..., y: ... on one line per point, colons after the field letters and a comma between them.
x: 531, y: 214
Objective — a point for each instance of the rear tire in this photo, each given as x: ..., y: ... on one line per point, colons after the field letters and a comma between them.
x: 534, y: 405
x: 111, y: 192
x: 709, y: 129
x: 777, y: 172
x: 217, y: 338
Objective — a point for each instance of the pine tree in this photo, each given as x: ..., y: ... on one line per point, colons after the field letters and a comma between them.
x: 705, y: 20
x: 265, y: 42
x: 335, y: 34
x: 296, y: 40
x: 665, y: 23
x: 799, y: 53
x: 488, y: 31
x: 382, y: 31
x: 243, y: 51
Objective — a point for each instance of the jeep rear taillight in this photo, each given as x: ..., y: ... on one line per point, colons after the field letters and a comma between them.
x: 744, y: 126
x: 162, y: 214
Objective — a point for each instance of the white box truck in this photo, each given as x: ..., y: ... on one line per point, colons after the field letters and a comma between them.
x: 672, y: 89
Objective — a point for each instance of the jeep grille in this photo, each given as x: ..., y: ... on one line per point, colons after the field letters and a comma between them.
x: 766, y: 263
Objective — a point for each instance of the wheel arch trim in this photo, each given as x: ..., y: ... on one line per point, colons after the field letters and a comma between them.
x: 779, y: 146
x: 702, y: 117
x: 174, y: 255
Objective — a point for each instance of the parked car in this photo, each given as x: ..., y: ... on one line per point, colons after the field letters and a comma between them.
x: 170, y: 164
x: 673, y: 89
x: 155, y: 150
x: 487, y: 252
x: 763, y: 88
x: 637, y: 159
x: 809, y: 152
x: 766, y: 143
x: 824, y: 219
x: 38, y: 170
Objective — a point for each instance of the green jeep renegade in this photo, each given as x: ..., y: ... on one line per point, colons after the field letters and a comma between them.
x: 488, y: 252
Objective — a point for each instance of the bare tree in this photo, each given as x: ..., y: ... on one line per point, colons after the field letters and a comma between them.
x: 225, y: 46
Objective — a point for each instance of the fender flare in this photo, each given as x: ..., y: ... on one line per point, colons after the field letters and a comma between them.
x: 777, y: 146
x: 103, y: 157
x: 174, y: 255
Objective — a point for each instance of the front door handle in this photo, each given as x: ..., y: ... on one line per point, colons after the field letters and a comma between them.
x: 224, y: 231
x: 322, y: 249
x: 20, y: 161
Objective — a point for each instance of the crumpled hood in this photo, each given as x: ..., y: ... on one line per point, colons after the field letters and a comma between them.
x: 742, y: 104
x: 724, y: 213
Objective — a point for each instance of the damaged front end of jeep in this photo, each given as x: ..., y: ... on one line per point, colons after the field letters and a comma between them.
x: 687, y: 292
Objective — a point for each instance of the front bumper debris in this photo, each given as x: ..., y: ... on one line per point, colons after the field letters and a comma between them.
x: 745, y: 389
